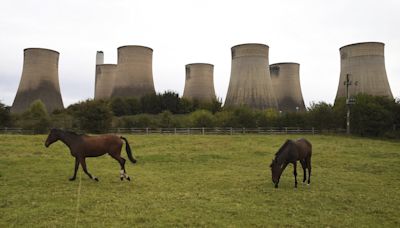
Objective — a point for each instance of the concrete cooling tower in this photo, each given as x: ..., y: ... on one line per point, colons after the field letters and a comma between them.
x: 39, y: 80
x: 134, y: 77
x: 199, y: 83
x: 286, y: 83
x: 365, y: 64
x: 105, y: 76
x: 99, y: 57
x: 250, y: 83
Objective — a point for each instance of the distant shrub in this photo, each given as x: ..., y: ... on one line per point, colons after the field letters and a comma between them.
x: 93, y: 116
x: 36, y: 118
x: 202, y: 118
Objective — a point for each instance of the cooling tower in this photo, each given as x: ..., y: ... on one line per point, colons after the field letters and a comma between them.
x: 134, y: 77
x: 199, y: 83
x: 286, y: 83
x: 365, y: 64
x: 105, y: 76
x: 99, y: 58
x: 39, y: 80
x: 250, y: 82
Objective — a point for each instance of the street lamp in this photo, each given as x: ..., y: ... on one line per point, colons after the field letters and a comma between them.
x: 349, y: 101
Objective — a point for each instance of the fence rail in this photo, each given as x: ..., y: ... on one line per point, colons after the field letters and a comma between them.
x: 195, y: 131
x: 214, y: 131
x: 18, y: 131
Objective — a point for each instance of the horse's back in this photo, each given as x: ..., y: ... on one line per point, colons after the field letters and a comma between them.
x: 102, y: 143
x: 304, y: 147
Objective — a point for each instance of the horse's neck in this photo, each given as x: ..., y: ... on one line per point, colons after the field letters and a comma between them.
x: 68, y: 139
x: 281, y: 158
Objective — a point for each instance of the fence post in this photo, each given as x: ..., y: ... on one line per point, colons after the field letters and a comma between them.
x: 202, y: 130
x: 174, y: 131
x: 285, y: 130
x: 231, y: 131
x: 147, y: 130
x: 313, y: 130
x: 188, y: 131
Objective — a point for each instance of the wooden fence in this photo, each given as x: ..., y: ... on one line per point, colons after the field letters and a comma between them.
x: 196, y: 131
x: 214, y: 131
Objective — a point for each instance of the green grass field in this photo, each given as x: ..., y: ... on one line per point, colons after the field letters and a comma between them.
x: 215, y: 181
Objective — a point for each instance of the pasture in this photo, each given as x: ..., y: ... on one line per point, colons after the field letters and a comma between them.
x: 217, y: 181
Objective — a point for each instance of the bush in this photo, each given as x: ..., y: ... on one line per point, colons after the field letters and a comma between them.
x: 322, y: 116
x: 202, y: 118
x: 36, y: 118
x: 93, y: 116
x: 5, y: 116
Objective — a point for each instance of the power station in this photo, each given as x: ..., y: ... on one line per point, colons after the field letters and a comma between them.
x: 134, y: 73
x: 364, y: 64
x: 39, y: 81
x: 250, y: 83
x: 105, y: 77
x: 286, y: 83
x: 199, y: 83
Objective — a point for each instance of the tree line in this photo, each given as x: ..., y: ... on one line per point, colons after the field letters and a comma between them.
x: 370, y: 115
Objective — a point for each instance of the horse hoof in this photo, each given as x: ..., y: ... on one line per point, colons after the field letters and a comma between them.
x: 71, y: 179
x: 128, y: 178
x: 96, y: 179
x: 121, y: 178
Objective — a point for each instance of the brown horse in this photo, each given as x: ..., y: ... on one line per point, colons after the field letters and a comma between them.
x: 82, y: 146
x: 291, y: 152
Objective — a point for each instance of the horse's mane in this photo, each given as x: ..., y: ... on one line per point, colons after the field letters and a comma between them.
x: 280, y: 151
x: 283, y: 147
x: 71, y: 132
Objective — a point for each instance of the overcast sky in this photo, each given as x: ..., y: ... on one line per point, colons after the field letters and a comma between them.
x: 309, y: 32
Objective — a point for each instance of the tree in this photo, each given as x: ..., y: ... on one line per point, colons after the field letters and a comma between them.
x: 5, y: 116
x: 372, y: 115
x: 36, y: 118
x: 245, y: 117
x: 151, y: 103
x: 170, y: 101
x: 202, y: 118
x: 322, y: 116
x: 120, y: 106
x: 94, y: 116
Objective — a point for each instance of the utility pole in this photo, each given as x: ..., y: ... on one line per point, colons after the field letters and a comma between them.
x: 349, y: 101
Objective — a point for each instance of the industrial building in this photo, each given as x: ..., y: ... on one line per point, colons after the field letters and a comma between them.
x: 364, y: 63
x: 105, y: 76
x: 39, y: 81
x: 286, y: 83
x: 250, y: 82
x: 199, y: 83
x: 134, y: 73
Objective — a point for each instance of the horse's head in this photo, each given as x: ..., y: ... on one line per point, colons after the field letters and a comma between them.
x: 276, y: 172
x: 54, y: 135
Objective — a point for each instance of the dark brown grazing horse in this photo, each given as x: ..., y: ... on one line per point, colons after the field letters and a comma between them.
x: 82, y: 146
x: 291, y: 152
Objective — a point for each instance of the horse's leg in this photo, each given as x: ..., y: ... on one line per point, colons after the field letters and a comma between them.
x: 83, y: 163
x: 295, y: 173
x: 304, y: 166
x: 308, y: 161
x: 121, y: 162
x: 76, y: 169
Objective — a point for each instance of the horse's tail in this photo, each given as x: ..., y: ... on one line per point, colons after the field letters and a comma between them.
x: 128, y: 150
